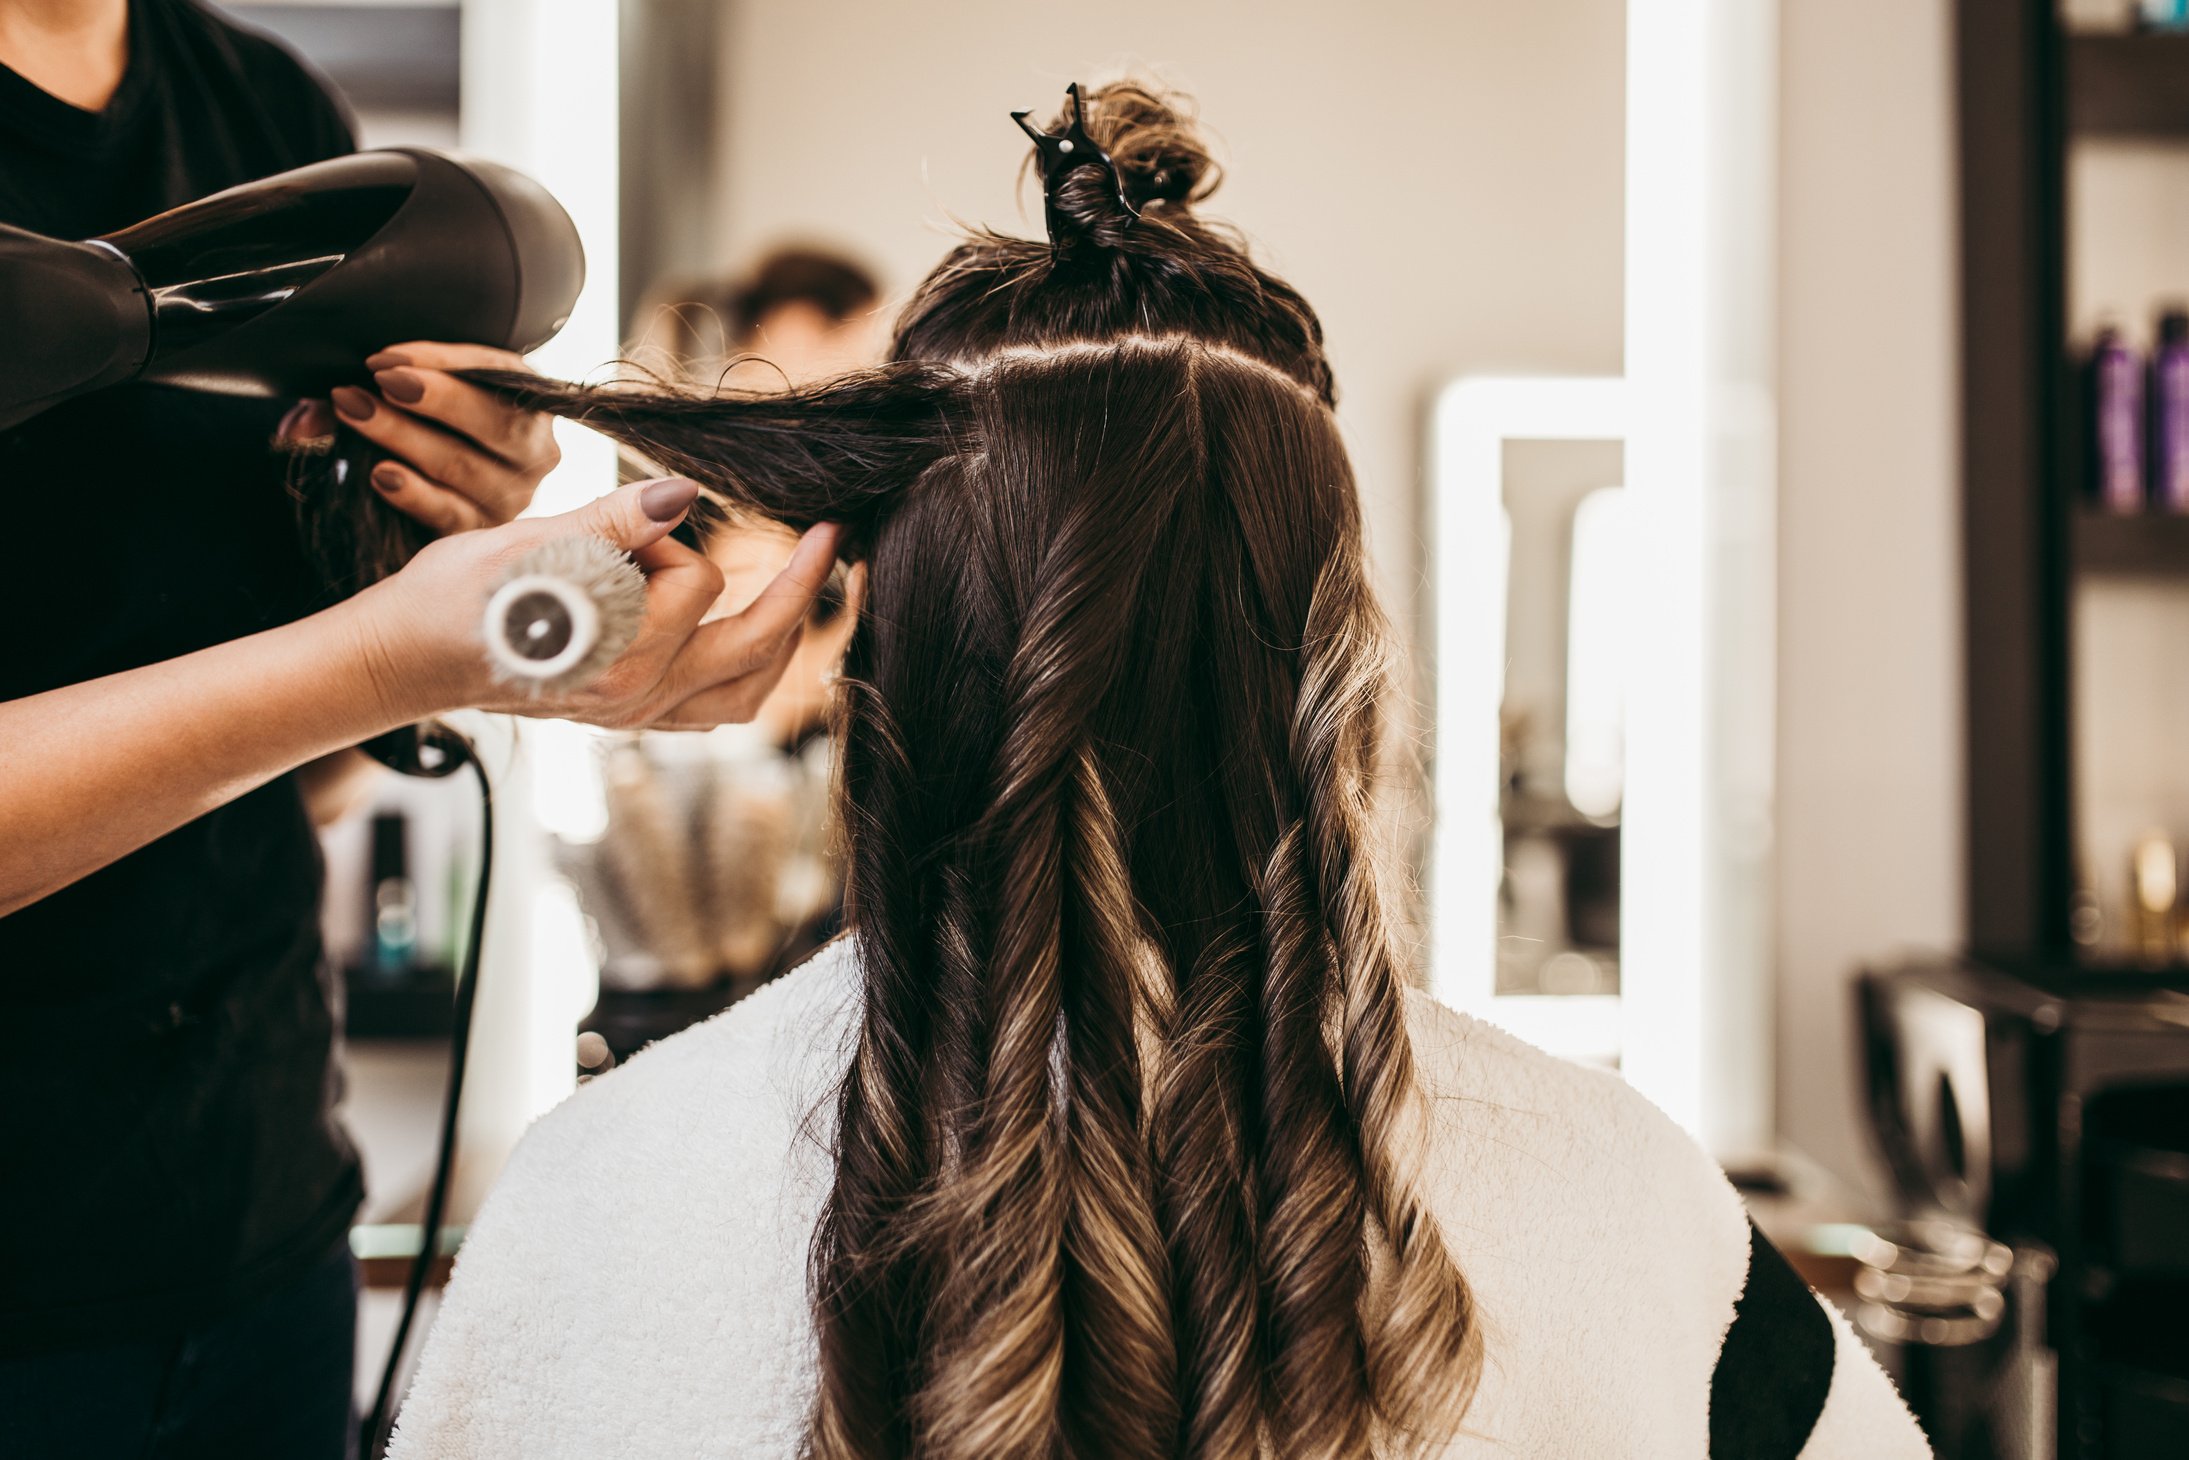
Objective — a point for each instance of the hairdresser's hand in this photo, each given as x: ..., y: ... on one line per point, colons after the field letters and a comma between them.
x: 421, y: 627
x: 463, y: 457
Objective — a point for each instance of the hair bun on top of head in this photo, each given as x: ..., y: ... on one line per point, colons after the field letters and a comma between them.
x: 1112, y: 153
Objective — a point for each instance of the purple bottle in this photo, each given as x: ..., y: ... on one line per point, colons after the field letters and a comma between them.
x: 2170, y: 414
x: 2115, y: 388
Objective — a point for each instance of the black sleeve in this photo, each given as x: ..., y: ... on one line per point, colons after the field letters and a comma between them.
x: 315, y: 122
x: 1775, y: 1369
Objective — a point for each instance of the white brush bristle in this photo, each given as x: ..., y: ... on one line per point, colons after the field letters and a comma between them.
x: 595, y: 598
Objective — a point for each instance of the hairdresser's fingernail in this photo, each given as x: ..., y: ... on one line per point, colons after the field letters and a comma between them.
x: 386, y: 360
x: 387, y: 479
x: 352, y: 404
x: 401, y: 385
x: 667, y: 499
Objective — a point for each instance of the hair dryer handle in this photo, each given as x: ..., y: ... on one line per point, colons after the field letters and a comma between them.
x: 75, y: 317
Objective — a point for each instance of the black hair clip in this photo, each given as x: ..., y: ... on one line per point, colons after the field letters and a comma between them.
x: 1061, y: 153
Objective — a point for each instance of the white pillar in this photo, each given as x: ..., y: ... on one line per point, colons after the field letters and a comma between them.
x: 1700, y: 469
x: 539, y: 93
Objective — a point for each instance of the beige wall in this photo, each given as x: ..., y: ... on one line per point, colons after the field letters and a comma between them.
x: 1442, y: 180
x: 1870, y: 759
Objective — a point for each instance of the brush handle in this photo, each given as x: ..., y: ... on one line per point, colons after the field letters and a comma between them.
x: 564, y: 614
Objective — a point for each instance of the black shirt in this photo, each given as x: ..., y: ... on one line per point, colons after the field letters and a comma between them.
x: 165, y: 1104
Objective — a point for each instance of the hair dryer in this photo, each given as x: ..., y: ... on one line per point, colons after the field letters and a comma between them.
x: 283, y: 286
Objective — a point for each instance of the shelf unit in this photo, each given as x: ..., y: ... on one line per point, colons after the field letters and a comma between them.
x: 2026, y: 90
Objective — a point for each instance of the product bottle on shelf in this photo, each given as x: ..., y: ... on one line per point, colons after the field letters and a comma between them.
x: 2166, y: 15
x: 393, y: 899
x: 2113, y: 386
x: 2155, y: 888
x: 2170, y: 414
x: 2086, y: 915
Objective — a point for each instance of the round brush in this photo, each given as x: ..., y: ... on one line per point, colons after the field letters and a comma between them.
x: 567, y: 609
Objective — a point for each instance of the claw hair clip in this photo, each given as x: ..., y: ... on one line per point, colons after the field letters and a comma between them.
x: 1063, y: 151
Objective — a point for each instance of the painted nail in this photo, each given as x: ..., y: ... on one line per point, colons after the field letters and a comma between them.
x: 387, y: 479
x: 386, y: 360
x: 352, y: 404
x: 403, y: 386
x: 667, y: 499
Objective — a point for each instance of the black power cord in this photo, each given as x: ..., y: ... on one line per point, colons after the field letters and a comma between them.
x: 436, y: 750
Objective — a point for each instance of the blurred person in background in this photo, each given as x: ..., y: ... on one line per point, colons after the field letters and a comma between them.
x: 716, y: 871
x: 799, y: 314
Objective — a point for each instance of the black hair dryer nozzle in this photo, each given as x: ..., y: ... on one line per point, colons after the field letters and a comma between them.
x: 283, y: 286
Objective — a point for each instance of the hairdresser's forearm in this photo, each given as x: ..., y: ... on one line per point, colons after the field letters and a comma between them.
x: 336, y: 785
x: 91, y: 772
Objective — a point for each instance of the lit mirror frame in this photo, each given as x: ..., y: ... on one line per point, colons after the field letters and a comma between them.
x: 1471, y: 547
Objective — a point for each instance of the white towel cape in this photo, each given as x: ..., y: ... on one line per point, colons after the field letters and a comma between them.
x: 636, y: 1283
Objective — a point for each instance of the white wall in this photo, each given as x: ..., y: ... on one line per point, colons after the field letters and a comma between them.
x: 1442, y: 180
x: 1870, y: 757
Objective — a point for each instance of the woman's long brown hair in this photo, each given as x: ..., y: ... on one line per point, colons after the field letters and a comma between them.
x: 1126, y: 1155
